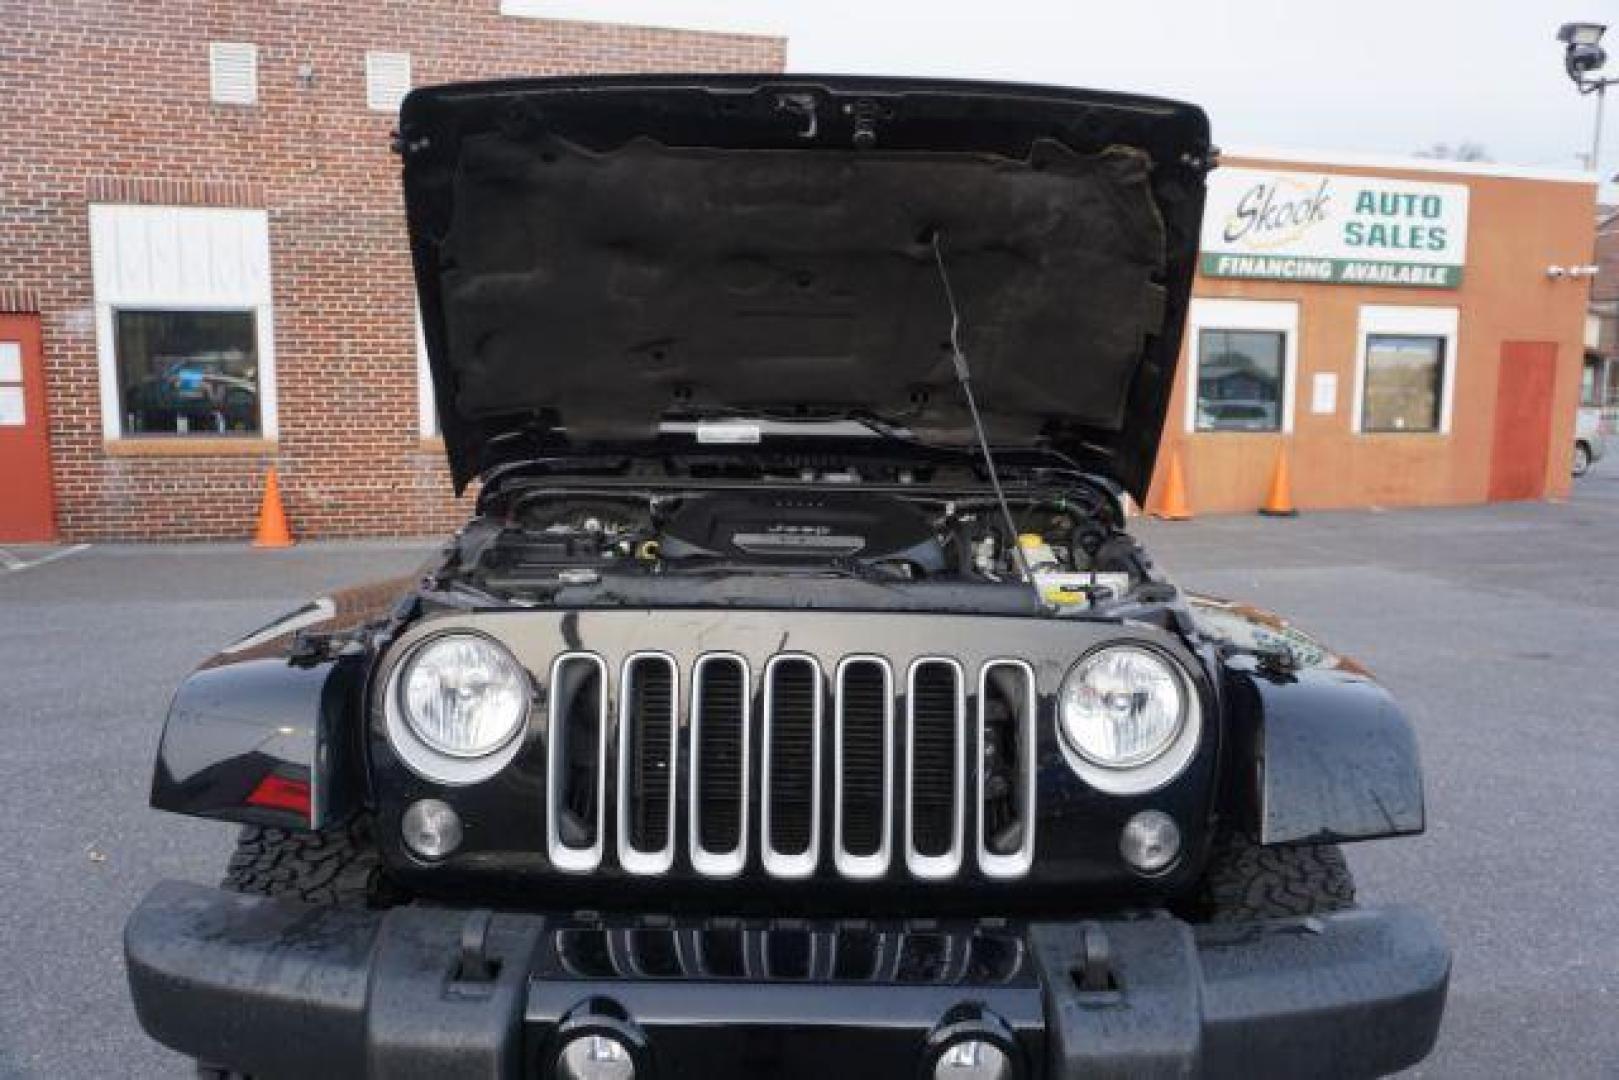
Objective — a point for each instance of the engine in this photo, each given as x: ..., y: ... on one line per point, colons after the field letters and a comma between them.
x: 572, y: 538
x: 867, y: 530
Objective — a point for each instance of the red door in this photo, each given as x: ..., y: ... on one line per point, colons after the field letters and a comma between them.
x: 1523, y: 420
x: 27, y: 502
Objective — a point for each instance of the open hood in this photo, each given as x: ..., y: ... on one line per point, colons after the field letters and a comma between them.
x: 598, y: 258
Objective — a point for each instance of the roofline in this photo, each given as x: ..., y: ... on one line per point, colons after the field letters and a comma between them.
x: 1408, y: 163
x: 709, y: 17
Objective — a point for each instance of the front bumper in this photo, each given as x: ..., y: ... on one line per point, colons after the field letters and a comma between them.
x: 276, y: 988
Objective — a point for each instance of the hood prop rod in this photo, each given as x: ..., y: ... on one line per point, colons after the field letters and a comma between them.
x: 964, y: 376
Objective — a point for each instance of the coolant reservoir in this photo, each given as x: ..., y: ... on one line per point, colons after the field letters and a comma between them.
x: 1036, y: 552
x: 1070, y: 591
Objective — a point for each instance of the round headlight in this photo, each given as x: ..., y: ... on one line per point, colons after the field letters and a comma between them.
x: 463, y: 695
x: 1122, y: 707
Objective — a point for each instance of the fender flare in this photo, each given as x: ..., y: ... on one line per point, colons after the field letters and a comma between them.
x: 1328, y: 755
x: 267, y: 731
x: 1319, y: 751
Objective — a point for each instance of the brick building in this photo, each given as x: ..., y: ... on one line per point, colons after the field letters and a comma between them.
x: 1599, y: 388
x: 204, y: 272
x: 1409, y: 332
x: 203, y: 265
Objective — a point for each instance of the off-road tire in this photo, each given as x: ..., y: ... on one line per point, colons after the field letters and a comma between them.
x: 1246, y: 880
x: 338, y: 867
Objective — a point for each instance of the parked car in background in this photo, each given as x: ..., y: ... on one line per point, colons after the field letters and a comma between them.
x: 1237, y: 416
x: 1589, y: 445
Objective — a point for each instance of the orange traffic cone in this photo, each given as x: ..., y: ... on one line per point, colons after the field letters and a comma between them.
x: 1174, y: 506
x: 1279, y: 503
x: 272, y: 531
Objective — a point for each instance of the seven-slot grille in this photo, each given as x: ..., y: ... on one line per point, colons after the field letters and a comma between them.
x: 861, y: 766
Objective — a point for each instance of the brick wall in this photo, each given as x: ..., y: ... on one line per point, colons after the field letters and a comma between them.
x: 108, y: 101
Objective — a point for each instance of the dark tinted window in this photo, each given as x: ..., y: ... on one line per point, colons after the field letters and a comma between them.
x: 1240, y: 375
x: 1404, y: 382
x: 188, y: 372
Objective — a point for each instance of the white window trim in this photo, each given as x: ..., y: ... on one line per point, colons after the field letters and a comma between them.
x: 426, y: 406
x: 1423, y: 321
x: 1218, y: 314
x: 104, y: 221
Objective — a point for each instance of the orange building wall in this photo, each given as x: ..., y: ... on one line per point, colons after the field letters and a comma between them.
x: 1516, y: 229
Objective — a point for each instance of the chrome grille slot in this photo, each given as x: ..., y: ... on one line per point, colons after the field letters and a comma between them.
x: 859, y: 955
x: 790, y: 953
x: 994, y: 958
x: 791, y: 798
x: 650, y: 953
x: 585, y: 953
x: 576, y: 762
x: 863, y: 755
x: 721, y: 695
x: 935, y: 721
x: 648, y: 736
x: 1006, y: 752
x: 723, y: 954
x: 927, y: 957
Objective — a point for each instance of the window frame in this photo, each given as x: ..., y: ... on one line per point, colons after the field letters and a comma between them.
x: 1261, y: 316
x: 234, y: 281
x: 1388, y: 320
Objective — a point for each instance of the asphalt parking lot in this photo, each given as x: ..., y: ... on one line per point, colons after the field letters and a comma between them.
x: 1498, y: 627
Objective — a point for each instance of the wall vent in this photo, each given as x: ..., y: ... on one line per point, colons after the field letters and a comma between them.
x: 233, y: 73
x: 387, y: 80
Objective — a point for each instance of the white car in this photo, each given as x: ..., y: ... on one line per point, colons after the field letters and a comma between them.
x: 1588, y: 442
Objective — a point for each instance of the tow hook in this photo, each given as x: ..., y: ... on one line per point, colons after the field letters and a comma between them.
x: 474, y: 966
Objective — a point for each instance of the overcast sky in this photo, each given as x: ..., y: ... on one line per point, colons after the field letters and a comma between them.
x: 1380, y: 76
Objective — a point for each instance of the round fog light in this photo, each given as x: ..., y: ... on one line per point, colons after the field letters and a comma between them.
x: 1151, y: 841
x: 973, y: 1059
x: 595, y: 1057
x: 432, y: 829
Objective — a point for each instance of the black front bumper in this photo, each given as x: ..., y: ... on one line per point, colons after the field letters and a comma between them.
x: 274, y: 988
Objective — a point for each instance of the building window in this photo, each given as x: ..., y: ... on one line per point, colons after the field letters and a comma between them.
x: 185, y: 372
x: 1240, y: 378
x: 387, y: 80
x: 233, y: 73
x: 184, y: 322
x: 1405, y: 370
x: 13, y: 401
x: 1244, y: 359
x: 1404, y: 383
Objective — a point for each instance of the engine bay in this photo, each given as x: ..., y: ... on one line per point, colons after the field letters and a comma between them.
x: 544, y: 540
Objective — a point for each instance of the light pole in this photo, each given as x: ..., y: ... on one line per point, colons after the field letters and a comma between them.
x: 1583, y: 57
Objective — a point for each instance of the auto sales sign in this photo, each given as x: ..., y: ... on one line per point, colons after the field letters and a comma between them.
x: 1321, y: 227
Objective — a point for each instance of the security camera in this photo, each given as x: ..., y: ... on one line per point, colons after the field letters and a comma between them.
x: 1584, y: 59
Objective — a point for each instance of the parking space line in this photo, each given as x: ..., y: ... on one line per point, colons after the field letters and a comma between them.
x: 12, y: 564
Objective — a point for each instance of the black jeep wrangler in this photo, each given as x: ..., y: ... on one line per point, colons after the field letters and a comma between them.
x: 795, y: 702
